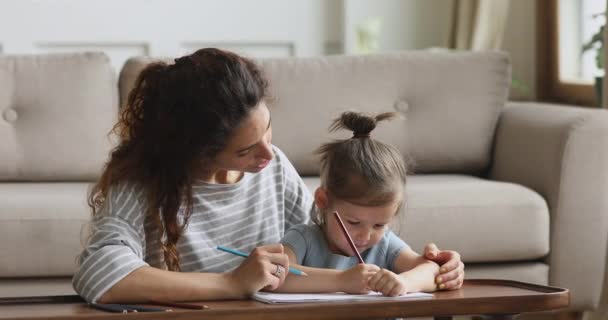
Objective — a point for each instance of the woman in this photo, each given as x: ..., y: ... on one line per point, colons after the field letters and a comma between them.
x: 195, y: 168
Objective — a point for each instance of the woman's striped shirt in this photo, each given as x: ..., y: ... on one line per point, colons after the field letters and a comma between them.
x: 256, y: 210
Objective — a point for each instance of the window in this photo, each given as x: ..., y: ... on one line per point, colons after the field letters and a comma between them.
x: 565, y: 73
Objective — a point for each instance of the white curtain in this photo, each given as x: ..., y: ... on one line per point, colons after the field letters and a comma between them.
x: 479, y: 25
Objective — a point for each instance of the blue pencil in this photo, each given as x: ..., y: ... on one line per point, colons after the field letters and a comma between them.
x: 244, y: 255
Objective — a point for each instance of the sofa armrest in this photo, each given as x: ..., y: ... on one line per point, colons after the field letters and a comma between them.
x: 562, y: 153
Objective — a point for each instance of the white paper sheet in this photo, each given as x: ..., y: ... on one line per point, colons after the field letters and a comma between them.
x: 273, y: 298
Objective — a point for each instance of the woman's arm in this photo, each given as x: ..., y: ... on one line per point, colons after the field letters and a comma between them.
x: 149, y: 283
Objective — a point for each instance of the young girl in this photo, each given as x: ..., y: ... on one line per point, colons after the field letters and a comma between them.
x: 363, y: 180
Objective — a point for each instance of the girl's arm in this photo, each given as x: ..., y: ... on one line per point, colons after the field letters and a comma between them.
x: 417, y: 272
x: 412, y: 273
x: 353, y: 280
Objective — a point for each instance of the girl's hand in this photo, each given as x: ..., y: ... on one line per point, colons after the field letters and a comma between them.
x: 259, y: 271
x: 355, y: 279
x: 451, y: 272
x: 388, y: 283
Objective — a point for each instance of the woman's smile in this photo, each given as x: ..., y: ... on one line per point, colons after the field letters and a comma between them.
x: 263, y: 164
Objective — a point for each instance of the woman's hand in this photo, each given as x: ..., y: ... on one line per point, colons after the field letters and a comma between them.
x: 451, y: 272
x: 355, y: 279
x: 388, y: 283
x: 265, y: 268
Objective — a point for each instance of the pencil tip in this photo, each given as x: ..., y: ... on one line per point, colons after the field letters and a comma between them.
x: 304, y: 273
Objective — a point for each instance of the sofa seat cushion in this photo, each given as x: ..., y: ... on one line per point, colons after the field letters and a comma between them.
x: 528, y: 271
x: 40, y: 228
x: 485, y: 221
x: 36, y: 287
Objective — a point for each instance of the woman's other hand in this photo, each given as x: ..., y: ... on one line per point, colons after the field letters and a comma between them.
x: 451, y: 272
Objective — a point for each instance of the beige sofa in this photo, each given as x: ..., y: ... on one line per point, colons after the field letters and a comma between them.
x: 518, y: 188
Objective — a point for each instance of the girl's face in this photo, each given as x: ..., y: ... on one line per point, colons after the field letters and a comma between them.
x: 249, y: 148
x: 366, y: 225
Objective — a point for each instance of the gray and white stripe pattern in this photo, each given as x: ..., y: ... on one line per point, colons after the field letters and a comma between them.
x: 255, y: 211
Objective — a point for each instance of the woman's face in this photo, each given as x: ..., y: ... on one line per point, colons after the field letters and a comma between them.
x: 249, y: 148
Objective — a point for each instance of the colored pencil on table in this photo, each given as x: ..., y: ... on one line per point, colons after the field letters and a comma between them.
x: 125, y: 308
x: 348, y: 238
x: 142, y: 309
x: 244, y: 255
x: 110, y: 308
x: 179, y: 305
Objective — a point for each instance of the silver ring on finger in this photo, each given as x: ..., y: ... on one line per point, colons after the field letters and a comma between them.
x: 279, y: 271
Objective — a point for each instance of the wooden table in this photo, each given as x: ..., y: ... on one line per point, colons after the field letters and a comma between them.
x: 497, y: 299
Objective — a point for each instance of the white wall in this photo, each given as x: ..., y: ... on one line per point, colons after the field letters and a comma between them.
x: 166, y: 28
x: 258, y: 28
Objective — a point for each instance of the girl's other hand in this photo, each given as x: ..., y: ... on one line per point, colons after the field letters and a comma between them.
x: 388, y: 283
x: 451, y: 272
x: 355, y: 279
x: 259, y: 271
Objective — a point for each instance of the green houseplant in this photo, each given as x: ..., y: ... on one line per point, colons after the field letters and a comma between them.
x: 597, y: 42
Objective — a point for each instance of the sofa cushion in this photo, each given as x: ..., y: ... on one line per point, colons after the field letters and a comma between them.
x: 531, y: 272
x: 485, y: 221
x: 36, y: 287
x: 451, y: 103
x: 40, y: 228
x: 55, y: 113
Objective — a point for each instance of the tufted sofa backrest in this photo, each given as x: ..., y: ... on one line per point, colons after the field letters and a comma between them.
x: 450, y: 103
x: 55, y: 113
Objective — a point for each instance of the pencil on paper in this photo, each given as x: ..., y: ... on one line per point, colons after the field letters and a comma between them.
x: 348, y: 238
x: 244, y: 255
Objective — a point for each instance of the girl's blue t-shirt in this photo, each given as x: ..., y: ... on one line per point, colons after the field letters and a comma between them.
x: 310, y: 247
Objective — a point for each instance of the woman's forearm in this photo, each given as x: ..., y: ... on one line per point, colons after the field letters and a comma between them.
x: 148, y: 283
x: 422, y: 277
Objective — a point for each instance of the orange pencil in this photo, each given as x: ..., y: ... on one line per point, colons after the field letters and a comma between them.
x: 348, y: 238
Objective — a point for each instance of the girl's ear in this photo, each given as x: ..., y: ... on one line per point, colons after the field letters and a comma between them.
x: 321, y: 200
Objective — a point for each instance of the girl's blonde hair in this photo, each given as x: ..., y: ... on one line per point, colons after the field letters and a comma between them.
x: 361, y: 170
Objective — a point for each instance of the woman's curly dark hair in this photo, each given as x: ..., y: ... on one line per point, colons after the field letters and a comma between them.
x: 178, y: 116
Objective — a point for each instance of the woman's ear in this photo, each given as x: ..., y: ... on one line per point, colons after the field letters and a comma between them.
x: 321, y: 199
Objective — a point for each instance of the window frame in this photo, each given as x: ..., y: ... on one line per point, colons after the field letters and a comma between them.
x: 549, y: 87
